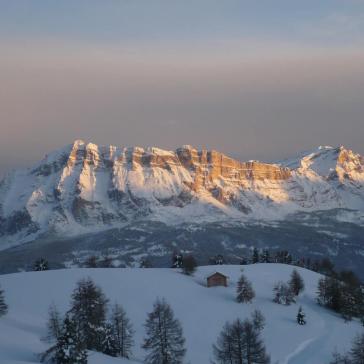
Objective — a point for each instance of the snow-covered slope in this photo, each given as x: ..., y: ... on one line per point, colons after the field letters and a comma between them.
x: 202, y: 311
x: 84, y: 188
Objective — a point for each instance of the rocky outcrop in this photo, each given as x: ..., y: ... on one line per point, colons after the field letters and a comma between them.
x: 216, y: 165
x: 211, y: 165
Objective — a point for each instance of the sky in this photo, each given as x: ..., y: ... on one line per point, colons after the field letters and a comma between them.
x: 254, y: 79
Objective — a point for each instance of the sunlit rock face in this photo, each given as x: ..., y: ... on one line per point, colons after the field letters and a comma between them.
x: 84, y: 187
x: 209, y: 166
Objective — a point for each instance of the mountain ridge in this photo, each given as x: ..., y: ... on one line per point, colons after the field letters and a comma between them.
x: 84, y: 187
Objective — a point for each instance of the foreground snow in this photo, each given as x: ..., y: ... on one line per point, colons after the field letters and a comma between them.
x: 202, y: 311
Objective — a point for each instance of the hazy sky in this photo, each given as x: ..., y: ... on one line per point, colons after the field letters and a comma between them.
x: 254, y: 79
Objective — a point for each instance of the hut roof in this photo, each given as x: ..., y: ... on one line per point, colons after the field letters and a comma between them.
x: 219, y: 273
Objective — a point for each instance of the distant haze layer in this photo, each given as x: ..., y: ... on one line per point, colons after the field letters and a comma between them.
x: 265, y: 104
x: 253, y: 79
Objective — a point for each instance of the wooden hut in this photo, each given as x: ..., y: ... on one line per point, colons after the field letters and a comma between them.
x: 217, y: 279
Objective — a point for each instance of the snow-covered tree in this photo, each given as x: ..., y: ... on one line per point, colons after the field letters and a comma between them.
x: 70, y: 348
x: 265, y: 257
x: 177, y: 260
x: 283, y: 294
x: 3, y: 305
x: 296, y: 283
x: 189, y: 265
x: 54, y: 324
x: 41, y: 265
x: 283, y: 256
x: 122, y: 331
x: 217, y: 260
x: 164, y: 339
x: 301, y: 317
x: 244, y: 290
x: 240, y: 343
x: 88, y: 308
x: 108, y: 341
x: 258, y: 320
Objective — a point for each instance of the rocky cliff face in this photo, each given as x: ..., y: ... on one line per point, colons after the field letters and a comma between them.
x: 84, y: 187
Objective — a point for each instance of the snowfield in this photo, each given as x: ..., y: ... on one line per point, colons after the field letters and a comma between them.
x: 202, y: 311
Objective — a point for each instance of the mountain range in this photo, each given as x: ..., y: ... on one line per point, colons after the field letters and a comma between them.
x: 138, y: 202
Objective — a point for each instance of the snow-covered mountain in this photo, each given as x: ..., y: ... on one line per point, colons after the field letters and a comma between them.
x: 84, y: 187
x: 29, y: 295
x: 87, y: 189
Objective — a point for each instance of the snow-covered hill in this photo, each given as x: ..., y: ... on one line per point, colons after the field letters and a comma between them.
x: 84, y: 188
x: 202, y: 311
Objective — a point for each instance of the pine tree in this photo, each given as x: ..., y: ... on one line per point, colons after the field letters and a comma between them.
x: 258, y: 320
x: 283, y: 294
x: 265, y: 256
x: 109, y: 344
x: 301, y: 317
x: 239, y: 343
x: 357, y: 350
x: 70, y: 348
x: 91, y: 262
x: 88, y: 308
x: 3, y: 305
x: 244, y: 290
x: 122, y: 331
x: 322, y: 291
x: 345, y: 297
x: 255, y: 257
x: 329, y: 293
x: 177, y: 260
x: 348, y: 307
x: 349, y: 278
x: 217, y: 260
x: 145, y: 263
x: 224, y: 349
x: 326, y: 266
x: 164, y: 339
x: 41, y: 265
x: 189, y: 265
x: 296, y: 283
x: 54, y: 324
x: 106, y: 262
x: 255, y: 349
